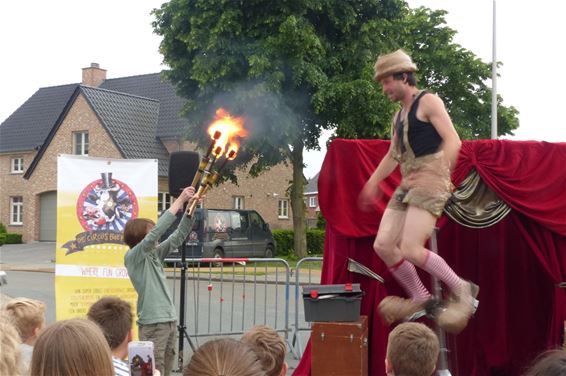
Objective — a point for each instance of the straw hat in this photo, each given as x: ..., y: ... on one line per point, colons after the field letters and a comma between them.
x: 394, y: 62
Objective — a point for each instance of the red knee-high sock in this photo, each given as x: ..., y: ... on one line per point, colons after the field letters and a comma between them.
x: 406, y: 274
x: 436, y: 266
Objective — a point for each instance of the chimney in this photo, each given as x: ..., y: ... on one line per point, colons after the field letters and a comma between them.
x: 93, y: 75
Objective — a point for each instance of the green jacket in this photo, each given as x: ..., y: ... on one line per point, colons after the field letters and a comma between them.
x: 145, y: 269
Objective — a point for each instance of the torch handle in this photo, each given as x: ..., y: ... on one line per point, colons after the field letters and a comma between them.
x: 200, y: 171
x: 205, y: 186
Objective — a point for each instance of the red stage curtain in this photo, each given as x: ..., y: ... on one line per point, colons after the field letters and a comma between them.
x: 517, y: 262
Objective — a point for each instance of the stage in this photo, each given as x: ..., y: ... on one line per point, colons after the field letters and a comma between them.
x: 519, y: 260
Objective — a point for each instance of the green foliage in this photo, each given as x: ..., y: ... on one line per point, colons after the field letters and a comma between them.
x: 320, y: 221
x: 315, y: 241
x: 454, y: 73
x: 2, y: 238
x: 297, y: 67
x: 10, y: 238
x: 2, y: 228
x: 285, y: 238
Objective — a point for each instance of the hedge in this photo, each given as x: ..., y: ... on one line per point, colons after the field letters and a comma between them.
x: 285, y: 238
x: 8, y: 238
x: 2, y: 228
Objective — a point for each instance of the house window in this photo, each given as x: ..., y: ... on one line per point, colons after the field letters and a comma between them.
x: 238, y: 202
x: 80, y: 143
x: 283, y: 209
x: 17, y: 165
x: 312, y: 202
x: 16, y: 210
x: 163, y: 202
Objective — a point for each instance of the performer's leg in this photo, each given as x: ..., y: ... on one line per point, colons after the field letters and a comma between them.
x: 418, y: 228
x: 394, y: 308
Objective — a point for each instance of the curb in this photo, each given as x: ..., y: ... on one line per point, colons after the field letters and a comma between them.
x: 27, y: 268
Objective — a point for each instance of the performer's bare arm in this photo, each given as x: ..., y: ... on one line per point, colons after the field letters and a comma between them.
x: 432, y: 110
x: 371, y: 191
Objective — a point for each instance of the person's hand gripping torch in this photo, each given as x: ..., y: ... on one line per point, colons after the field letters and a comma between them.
x: 210, y: 178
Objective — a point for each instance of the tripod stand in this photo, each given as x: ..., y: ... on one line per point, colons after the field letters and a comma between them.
x: 181, y: 326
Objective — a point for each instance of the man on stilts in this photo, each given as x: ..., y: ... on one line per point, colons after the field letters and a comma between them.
x: 425, y: 145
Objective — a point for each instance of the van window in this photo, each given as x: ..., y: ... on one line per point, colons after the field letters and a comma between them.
x: 198, y: 220
x: 218, y: 221
x: 256, y: 220
x: 244, y: 222
x: 236, y: 223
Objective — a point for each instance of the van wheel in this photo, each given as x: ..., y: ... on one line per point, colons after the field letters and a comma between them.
x: 217, y: 253
x: 269, y: 252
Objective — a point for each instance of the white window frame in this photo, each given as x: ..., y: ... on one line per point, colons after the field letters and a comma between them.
x: 164, y: 201
x: 17, y: 165
x: 80, y: 147
x: 16, y: 210
x: 283, y: 209
x: 312, y: 202
x: 238, y: 202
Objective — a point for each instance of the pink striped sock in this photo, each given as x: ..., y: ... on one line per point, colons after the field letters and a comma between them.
x: 406, y: 274
x: 436, y: 266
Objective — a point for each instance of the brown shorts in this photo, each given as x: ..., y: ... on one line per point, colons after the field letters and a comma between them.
x: 425, y: 184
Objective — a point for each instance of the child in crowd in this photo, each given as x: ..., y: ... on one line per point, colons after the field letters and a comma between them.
x: 549, y: 363
x: 28, y: 316
x: 270, y: 348
x: 226, y: 357
x: 9, y: 347
x: 114, y: 316
x: 71, y: 348
x: 412, y: 350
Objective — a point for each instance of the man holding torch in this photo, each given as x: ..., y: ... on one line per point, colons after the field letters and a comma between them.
x: 425, y: 145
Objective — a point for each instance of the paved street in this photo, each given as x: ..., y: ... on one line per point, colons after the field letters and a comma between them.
x: 215, y: 303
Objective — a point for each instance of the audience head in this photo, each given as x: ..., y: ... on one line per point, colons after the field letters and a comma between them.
x: 28, y: 316
x: 412, y: 350
x: 114, y: 316
x: 549, y: 363
x: 226, y: 357
x: 136, y: 229
x: 73, y: 347
x: 269, y: 347
x: 9, y: 346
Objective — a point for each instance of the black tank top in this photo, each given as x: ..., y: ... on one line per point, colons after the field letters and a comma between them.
x: 423, y: 137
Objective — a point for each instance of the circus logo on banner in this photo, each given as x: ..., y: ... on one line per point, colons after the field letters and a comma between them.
x: 103, y: 208
x: 106, y: 204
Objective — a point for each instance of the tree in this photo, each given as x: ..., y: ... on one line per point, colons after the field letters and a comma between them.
x: 445, y: 68
x: 293, y: 68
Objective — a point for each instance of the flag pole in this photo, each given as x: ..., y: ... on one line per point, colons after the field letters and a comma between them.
x: 494, y: 82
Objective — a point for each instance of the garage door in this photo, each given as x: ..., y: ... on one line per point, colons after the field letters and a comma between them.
x: 48, y: 216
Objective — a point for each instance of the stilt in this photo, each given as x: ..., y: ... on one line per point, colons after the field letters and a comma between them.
x: 442, y: 366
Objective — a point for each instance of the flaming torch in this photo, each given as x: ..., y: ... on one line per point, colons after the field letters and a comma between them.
x: 225, y: 131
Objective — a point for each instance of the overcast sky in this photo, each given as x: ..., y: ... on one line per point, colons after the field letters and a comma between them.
x: 46, y: 43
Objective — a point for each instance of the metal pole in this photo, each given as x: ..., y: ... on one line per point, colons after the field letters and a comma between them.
x: 494, y: 82
x: 442, y: 367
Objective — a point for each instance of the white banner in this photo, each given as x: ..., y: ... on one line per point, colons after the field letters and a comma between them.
x: 95, y: 199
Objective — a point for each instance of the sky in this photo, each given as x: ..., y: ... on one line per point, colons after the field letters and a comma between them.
x: 46, y: 43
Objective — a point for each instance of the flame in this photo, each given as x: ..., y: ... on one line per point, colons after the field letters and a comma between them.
x: 232, y: 150
x: 230, y: 127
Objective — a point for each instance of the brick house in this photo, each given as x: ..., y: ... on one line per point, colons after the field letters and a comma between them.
x: 129, y: 117
x: 311, y: 201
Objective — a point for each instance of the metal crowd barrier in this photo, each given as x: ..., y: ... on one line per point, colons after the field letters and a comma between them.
x: 225, y: 297
x: 228, y: 296
x: 302, y: 278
